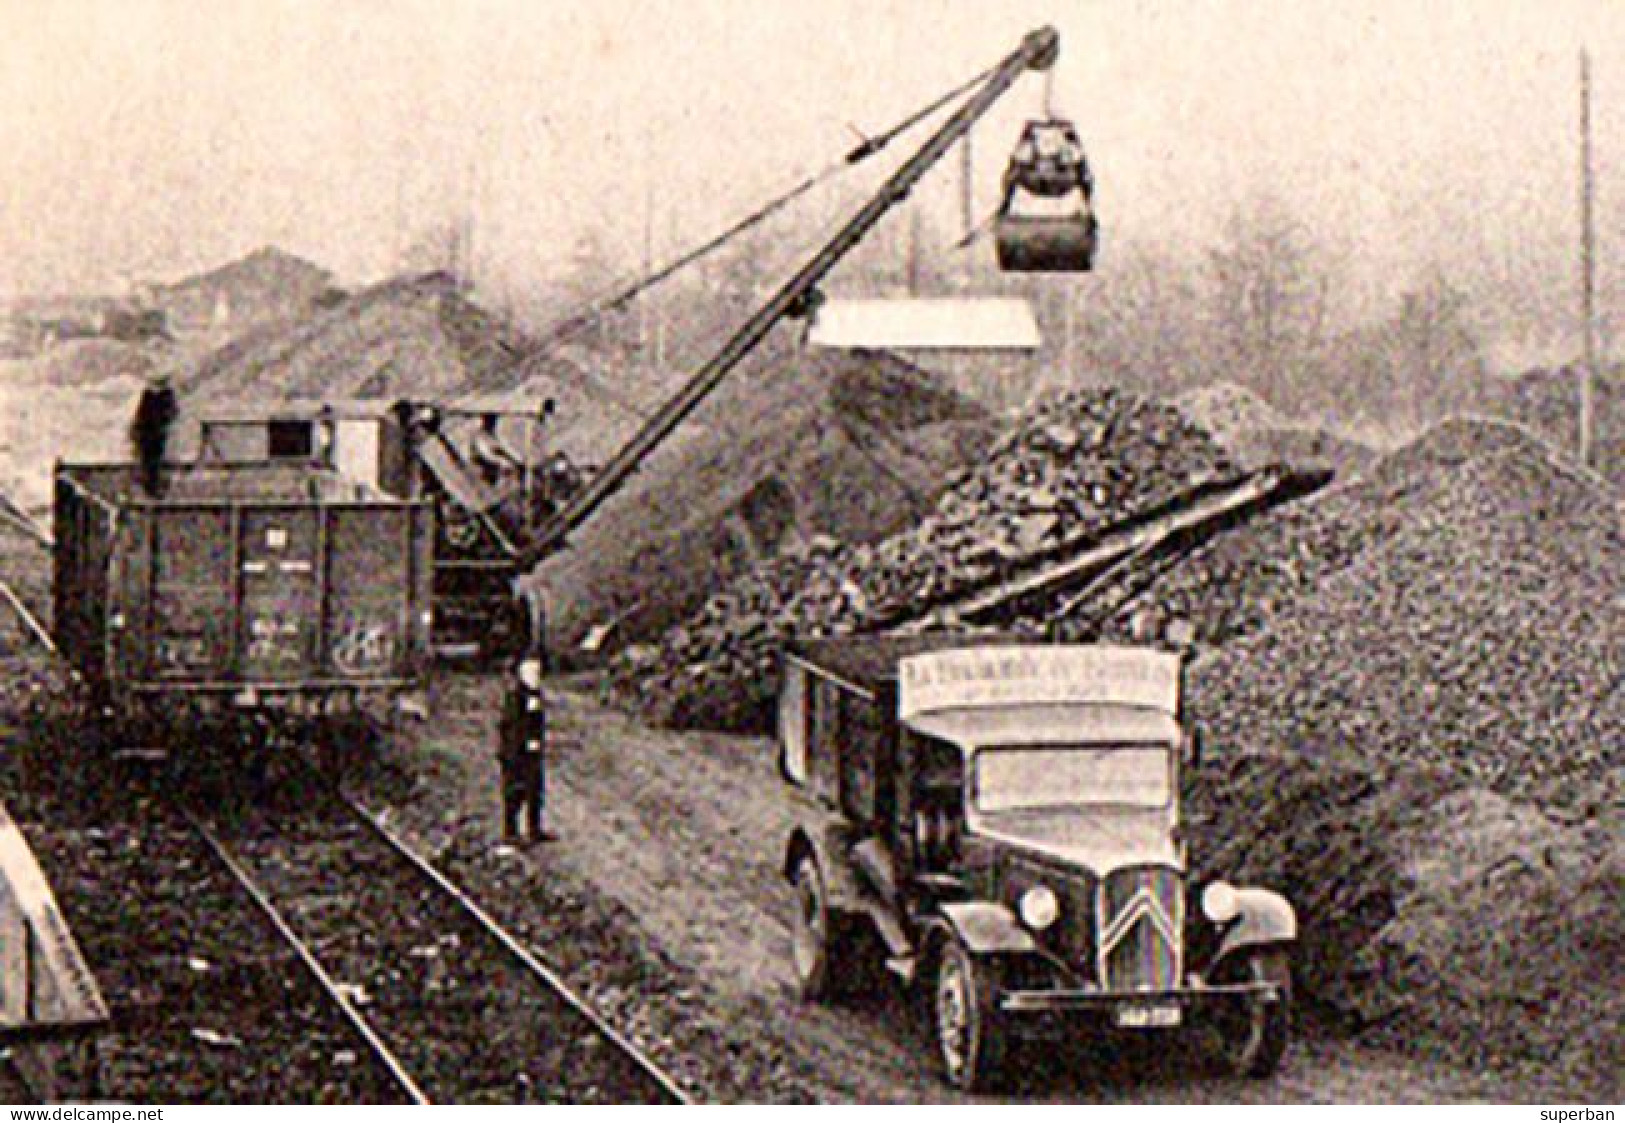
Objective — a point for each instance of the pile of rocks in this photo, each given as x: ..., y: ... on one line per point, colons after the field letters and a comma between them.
x: 1471, y: 626
x: 1078, y: 463
x: 1414, y: 720
x: 854, y: 445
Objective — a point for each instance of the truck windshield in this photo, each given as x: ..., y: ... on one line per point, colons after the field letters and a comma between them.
x: 1032, y: 777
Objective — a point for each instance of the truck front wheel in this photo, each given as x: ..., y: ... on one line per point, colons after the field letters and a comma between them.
x: 1254, y: 1033
x: 970, y: 1034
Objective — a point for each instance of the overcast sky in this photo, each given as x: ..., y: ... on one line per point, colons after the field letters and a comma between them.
x: 158, y: 137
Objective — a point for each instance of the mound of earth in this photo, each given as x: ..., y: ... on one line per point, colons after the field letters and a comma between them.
x: 1077, y: 463
x: 267, y: 286
x: 1435, y: 917
x: 1301, y: 447
x: 1485, y: 637
x: 797, y: 446
x: 1233, y: 584
x: 86, y: 362
x: 408, y: 336
x: 1415, y: 722
x: 1548, y: 401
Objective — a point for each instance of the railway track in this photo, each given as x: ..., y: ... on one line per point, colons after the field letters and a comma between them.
x: 437, y: 994
x: 455, y: 1007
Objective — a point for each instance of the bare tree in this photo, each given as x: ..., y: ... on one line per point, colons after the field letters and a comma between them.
x: 1437, y: 357
x: 1138, y: 321
x: 1269, y: 289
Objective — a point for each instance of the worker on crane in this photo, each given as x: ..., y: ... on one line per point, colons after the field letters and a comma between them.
x: 490, y: 455
x: 155, y: 414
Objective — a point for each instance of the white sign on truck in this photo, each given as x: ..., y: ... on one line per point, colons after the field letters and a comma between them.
x: 979, y: 677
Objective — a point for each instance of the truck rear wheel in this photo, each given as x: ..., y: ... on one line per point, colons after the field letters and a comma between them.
x: 820, y: 941
x: 969, y: 1030
x: 1253, y: 1034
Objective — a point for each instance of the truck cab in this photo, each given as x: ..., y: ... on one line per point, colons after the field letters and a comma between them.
x: 997, y: 822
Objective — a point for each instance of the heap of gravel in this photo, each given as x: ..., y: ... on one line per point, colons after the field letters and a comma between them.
x: 1077, y: 463
x: 1411, y: 691
x: 1475, y: 628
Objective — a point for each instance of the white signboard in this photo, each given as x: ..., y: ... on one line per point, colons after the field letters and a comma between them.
x: 356, y: 452
x: 43, y: 976
x: 979, y: 677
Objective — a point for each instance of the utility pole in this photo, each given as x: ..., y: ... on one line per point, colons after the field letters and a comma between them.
x: 644, y: 324
x: 1588, y: 312
x: 967, y: 186
x: 913, y: 258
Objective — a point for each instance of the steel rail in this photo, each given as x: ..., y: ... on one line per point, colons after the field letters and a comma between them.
x: 520, y: 953
x: 397, y: 1070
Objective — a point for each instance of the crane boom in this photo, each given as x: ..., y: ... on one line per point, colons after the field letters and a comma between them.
x: 1038, y: 51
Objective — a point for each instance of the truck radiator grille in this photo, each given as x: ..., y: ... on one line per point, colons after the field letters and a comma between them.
x: 1141, y: 917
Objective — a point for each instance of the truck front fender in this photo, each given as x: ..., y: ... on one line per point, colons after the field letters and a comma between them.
x: 985, y: 927
x: 1266, y: 917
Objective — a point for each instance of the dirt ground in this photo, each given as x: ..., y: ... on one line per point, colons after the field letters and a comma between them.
x: 666, y: 865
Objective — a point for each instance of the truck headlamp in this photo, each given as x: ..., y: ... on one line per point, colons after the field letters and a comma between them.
x: 1039, y: 908
x: 1219, y: 902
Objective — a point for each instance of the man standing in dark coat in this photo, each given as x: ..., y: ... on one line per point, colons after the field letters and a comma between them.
x: 149, y: 432
x: 522, y: 751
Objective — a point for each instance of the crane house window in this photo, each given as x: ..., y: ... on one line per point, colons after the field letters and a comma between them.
x: 291, y: 440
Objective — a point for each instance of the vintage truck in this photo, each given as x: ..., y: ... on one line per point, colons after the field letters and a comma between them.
x: 997, y: 822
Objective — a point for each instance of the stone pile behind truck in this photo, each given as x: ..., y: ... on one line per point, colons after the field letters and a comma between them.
x: 1412, y: 689
x: 1079, y: 462
x: 1413, y: 695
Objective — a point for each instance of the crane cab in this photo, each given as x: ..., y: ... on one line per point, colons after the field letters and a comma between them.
x: 1046, y: 221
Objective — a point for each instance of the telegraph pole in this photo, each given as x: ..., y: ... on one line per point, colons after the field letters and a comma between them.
x: 967, y: 185
x: 1588, y: 312
x: 645, y: 334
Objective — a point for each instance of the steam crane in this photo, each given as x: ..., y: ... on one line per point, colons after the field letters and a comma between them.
x: 1038, y: 51
x: 487, y: 536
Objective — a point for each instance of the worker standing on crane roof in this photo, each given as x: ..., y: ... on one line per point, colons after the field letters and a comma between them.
x: 155, y: 414
x: 490, y: 455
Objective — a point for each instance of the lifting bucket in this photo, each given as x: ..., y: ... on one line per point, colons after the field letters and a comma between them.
x: 1045, y: 223
x: 1040, y: 243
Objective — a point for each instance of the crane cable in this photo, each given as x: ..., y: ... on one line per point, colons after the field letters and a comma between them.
x: 980, y: 230
x: 580, y: 321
